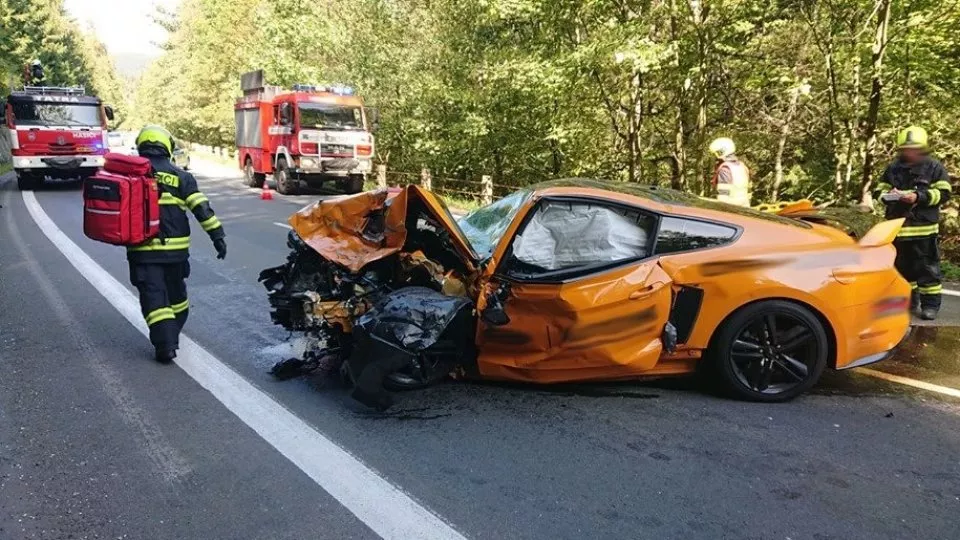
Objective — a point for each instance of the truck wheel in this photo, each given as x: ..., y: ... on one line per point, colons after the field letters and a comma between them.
x: 250, y: 176
x: 285, y: 184
x: 27, y: 181
x: 353, y: 184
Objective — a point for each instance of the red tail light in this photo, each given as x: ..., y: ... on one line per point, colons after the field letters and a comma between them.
x: 364, y: 149
x: 309, y: 148
x: 891, y: 306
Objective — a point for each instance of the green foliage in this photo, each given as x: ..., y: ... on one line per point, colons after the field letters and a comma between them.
x: 39, y: 30
x: 950, y: 271
x: 627, y: 90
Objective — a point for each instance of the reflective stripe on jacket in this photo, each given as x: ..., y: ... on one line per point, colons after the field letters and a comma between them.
x: 930, y: 181
x: 178, y: 194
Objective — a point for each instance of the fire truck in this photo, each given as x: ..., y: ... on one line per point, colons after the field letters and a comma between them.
x: 55, y: 133
x: 308, y: 135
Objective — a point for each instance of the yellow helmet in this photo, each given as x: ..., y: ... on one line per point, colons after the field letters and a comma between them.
x: 912, y: 137
x: 156, y: 135
x: 723, y: 147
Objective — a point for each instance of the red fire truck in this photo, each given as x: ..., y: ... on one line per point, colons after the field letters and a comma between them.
x: 307, y: 135
x: 55, y: 133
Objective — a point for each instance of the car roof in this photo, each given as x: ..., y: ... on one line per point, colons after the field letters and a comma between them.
x: 659, y: 198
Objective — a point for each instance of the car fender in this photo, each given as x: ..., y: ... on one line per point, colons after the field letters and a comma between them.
x: 714, y: 316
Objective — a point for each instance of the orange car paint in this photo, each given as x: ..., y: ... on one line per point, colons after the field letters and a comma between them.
x: 768, y: 261
x: 608, y: 326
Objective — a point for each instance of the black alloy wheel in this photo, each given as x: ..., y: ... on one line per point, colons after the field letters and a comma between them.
x: 771, y: 351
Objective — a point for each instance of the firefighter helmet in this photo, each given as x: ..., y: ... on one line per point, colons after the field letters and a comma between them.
x: 723, y: 147
x: 157, y: 137
x: 912, y: 137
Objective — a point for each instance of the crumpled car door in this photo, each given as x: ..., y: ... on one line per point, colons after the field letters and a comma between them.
x: 602, y: 326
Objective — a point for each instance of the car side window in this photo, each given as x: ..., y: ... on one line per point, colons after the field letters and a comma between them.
x: 566, y: 237
x: 681, y: 234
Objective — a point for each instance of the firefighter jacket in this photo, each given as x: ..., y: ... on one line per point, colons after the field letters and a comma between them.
x: 732, y: 180
x: 178, y: 194
x: 930, y: 181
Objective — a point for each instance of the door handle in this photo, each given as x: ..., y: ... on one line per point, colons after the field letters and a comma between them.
x: 642, y: 293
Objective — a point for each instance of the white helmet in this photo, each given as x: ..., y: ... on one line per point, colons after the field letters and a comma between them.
x: 723, y: 147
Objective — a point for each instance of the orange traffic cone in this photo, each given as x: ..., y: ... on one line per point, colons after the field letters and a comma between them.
x: 265, y: 193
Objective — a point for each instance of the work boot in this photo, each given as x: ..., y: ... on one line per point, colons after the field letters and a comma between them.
x: 915, y: 304
x: 928, y: 314
x: 166, y: 356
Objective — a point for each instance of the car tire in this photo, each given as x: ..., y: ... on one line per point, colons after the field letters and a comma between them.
x: 353, y: 184
x: 402, y: 382
x: 285, y: 184
x: 27, y: 181
x: 250, y: 177
x: 770, y: 351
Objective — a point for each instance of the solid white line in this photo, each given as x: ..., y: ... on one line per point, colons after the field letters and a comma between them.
x: 383, y: 507
x: 284, y: 225
x: 945, y: 390
x: 948, y: 292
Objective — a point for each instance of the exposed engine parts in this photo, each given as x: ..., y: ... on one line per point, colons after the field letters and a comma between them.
x: 385, y: 325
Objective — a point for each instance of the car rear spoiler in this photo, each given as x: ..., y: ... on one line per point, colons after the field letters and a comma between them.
x: 882, y: 233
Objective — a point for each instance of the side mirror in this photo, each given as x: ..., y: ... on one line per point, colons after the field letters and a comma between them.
x: 286, y: 114
x: 495, y: 314
x: 108, y: 110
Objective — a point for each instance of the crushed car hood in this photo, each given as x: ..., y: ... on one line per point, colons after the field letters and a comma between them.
x: 356, y: 230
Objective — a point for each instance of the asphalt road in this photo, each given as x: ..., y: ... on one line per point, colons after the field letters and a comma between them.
x: 97, y: 441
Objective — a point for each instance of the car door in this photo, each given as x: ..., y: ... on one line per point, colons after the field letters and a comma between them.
x: 584, y: 298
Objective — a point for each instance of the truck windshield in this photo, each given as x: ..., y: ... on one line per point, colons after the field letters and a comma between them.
x: 32, y: 113
x: 323, y: 116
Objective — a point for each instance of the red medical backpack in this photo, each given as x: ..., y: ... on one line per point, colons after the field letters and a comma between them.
x: 121, y: 202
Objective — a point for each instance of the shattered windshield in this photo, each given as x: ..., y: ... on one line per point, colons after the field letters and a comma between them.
x: 485, y: 226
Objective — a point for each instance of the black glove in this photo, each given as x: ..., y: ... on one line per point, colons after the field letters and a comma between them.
x: 221, y: 246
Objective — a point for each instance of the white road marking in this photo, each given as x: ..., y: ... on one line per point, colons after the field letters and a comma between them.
x: 945, y: 390
x: 948, y: 292
x: 383, y: 507
x: 171, y: 465
x: 284, y: 225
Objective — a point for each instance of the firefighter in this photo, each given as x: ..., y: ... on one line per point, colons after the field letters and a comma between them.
x: 159, y: 267
x: 731, y: 177
x: 914, y: 186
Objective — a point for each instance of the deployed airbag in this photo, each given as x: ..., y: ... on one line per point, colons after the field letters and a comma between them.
x: 564, y: 235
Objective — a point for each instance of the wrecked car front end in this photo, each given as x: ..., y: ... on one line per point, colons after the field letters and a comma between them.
x: 382, y: 286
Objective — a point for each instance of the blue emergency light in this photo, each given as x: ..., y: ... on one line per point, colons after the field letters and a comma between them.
x: 332, y: 89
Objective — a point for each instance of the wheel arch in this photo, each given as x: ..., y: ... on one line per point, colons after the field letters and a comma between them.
x: 828, y: 327
x: 283, y: 153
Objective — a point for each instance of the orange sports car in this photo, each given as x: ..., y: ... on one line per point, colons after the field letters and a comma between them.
x: 581, y: 280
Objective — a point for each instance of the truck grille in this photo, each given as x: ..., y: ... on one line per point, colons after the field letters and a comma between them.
x: 65, y: 149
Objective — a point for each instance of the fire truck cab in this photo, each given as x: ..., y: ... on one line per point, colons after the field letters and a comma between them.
x: 307, y: 135
x: 55, y: 133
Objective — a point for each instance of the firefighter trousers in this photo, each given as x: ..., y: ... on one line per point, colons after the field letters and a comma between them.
x: 163, y: 300
x: 918, y: 261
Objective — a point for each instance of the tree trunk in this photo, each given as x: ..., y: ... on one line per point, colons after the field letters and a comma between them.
x: 876, y: 91
x: 782, y: 143
x: 852, y: 127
